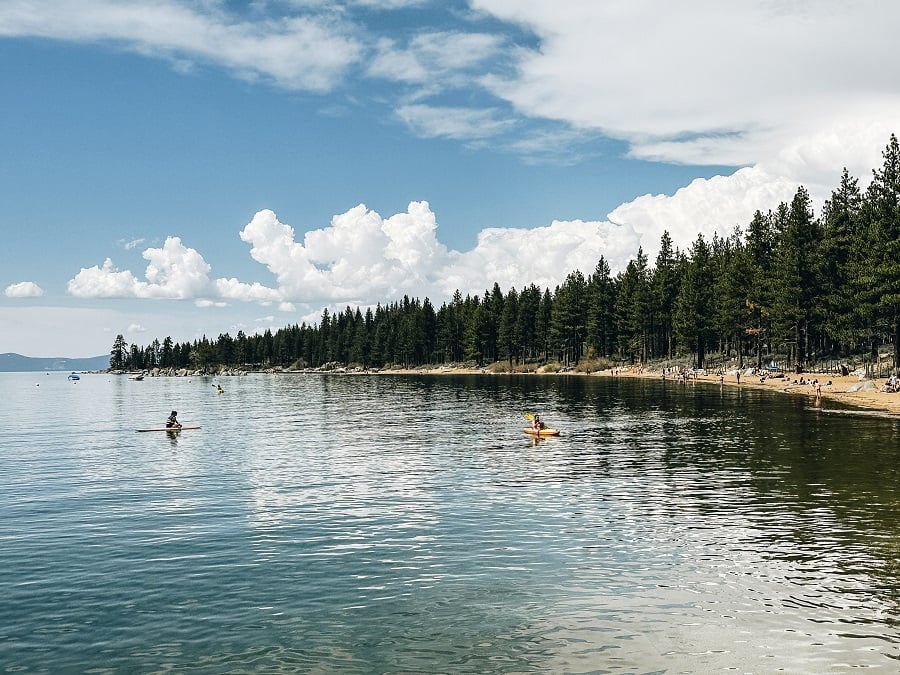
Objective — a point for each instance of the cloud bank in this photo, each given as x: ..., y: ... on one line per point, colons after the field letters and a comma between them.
x: 362, y: 258
x: 701, y: 82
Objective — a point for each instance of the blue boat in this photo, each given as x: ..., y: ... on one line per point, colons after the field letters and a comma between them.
x: 73, y: 376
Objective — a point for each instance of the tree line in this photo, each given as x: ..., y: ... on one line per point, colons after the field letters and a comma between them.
x: 789, y: 283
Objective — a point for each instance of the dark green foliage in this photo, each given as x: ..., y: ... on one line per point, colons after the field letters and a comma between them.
x: 840, y: 261
x: 878, y: 284
x: 664, y: 289
x: 601, y: 320
x: 118, y: 355
x: 803, y: 287
x: 633, y: 309
x: 568, y: 318
x: 694, y: 309
x: 795, y: 275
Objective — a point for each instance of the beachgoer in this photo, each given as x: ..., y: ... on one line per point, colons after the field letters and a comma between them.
x: 172, y: 422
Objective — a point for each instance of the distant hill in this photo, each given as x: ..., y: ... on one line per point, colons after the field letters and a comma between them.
x: 10, y: 363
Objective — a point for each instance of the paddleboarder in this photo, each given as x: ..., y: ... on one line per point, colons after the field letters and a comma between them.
x: 172, y: 422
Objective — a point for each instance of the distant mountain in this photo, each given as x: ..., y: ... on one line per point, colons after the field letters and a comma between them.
x: 10, y: 363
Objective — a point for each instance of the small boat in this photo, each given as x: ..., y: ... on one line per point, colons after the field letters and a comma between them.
x: 73, y: 376
x: 546, y: 431
x: 136, y: 377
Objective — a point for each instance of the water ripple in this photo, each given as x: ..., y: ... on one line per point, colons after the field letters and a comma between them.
x: 401, y: 524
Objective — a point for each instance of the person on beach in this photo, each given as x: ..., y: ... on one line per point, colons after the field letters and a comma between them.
x: 172, y: 422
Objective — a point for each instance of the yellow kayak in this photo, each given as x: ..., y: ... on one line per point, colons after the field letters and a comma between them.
x: 547, y: 431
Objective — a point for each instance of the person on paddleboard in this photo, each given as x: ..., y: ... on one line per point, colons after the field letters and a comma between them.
x: 172, y: 422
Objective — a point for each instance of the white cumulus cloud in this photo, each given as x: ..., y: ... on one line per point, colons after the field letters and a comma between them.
x: 174, y: 271
x: 542, y: 255
x: 706, y: 206
x: 24, y: 289
x: 360, y: 255
x: 362, y: 258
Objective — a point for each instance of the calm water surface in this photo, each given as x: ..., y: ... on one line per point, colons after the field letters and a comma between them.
x: 393, y: 524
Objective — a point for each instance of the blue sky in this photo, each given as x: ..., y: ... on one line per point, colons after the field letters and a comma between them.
x: 183, y: 168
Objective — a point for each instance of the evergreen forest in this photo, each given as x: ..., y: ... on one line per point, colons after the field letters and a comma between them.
x: 788, y: 284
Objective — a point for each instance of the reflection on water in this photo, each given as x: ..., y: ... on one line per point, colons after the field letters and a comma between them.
x: 406, y: 524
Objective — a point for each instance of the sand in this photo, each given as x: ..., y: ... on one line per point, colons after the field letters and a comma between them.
x: 837, y: 390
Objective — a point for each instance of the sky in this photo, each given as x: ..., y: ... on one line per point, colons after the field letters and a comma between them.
x: 196, y: 167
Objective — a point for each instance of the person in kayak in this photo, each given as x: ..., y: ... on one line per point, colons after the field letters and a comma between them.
x: 172, y: 422
x: 536, y: 424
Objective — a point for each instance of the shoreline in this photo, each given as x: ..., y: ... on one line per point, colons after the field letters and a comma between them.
x: 869, y: 399
x: 833, y: 388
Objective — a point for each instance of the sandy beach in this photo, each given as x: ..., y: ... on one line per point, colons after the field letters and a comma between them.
x: 831, y: 388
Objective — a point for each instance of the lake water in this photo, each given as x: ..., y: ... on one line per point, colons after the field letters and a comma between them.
x: 402, y: 524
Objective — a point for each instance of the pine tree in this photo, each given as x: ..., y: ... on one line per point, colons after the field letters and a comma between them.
x: 527, y: 322
x: 732, y: 287
x: 694, y: 302
x: 601, y: 328
x: 118, y: 355
x: 760, y: 247
x: 879, y: 285
x: 632, y: 308
x: 664, y: 290
x: 795, y: 277
x: 838, y: 255
x: 508, y: 328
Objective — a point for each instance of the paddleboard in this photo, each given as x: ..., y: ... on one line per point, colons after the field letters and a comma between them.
x: 542, y: 432
x: 169, y: 428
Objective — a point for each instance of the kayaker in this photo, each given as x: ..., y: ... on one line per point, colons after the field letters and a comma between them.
x: 172, y: 422
x: 537, y: 424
